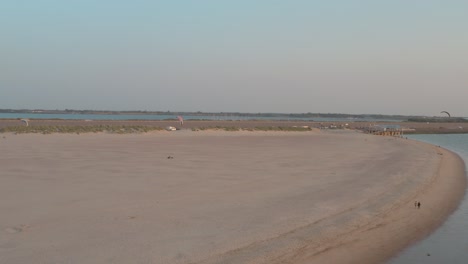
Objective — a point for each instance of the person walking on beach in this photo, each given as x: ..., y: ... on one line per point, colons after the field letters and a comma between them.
x: 419, y: 205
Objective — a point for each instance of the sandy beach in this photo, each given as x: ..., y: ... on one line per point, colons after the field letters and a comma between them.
x: 220, y: 197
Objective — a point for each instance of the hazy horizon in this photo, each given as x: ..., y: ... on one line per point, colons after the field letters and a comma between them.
x: 443, y: 115
x: 354, y: 57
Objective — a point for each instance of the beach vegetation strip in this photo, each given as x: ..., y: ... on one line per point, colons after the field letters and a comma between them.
x: 126, y: 129
x: 114, y: 129
x: 266, y: 128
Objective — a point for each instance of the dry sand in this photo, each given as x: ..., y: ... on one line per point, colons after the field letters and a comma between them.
x: 225, y: 197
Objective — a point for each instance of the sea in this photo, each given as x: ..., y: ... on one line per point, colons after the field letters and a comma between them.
x: 449, y: 243
x: 230, y: 117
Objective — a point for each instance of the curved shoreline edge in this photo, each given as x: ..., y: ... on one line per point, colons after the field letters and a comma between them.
x: 372, y: 230
x: 390, y: 235
x: 374, y: 240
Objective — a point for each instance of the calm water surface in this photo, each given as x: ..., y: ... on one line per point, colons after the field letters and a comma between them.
x: 186, y: 117
x: 449, y: 243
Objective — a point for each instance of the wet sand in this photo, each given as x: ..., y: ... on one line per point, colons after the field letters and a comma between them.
x: 224, y: 197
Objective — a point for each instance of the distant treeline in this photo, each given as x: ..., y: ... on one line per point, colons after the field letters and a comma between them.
x: 438, y: 119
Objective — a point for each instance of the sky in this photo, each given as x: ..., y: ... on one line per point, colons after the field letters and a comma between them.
x: 358, y: 57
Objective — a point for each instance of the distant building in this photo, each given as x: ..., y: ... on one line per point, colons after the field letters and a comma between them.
x: 384, y: 130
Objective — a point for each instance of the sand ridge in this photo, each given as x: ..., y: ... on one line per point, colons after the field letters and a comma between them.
x: 225, y: 197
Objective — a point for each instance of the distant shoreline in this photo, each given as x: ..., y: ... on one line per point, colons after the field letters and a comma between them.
x: 237, y: 115
x: 197, y: 113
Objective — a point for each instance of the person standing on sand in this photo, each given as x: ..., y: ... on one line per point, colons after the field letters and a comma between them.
x: 181, y: 120
x: 419, y: 205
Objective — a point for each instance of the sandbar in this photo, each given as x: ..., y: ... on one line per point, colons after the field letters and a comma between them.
x: 220, y: 197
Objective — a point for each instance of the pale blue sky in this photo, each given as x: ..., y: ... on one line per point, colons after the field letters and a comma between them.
x: 385, y: 57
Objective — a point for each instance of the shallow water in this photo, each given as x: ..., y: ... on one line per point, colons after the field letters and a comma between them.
x: 449, y: 243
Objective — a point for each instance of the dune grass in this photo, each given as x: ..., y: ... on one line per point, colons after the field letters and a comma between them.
x: 112, y: 129
x: 122, y: 129
x: 269, y: 128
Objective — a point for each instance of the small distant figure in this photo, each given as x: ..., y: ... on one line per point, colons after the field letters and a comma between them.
x: 170, y: 157
x: 181, y: 120
x: 419, y: 205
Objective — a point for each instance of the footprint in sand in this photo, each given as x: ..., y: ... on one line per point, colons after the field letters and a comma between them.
x: 15, y: 229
